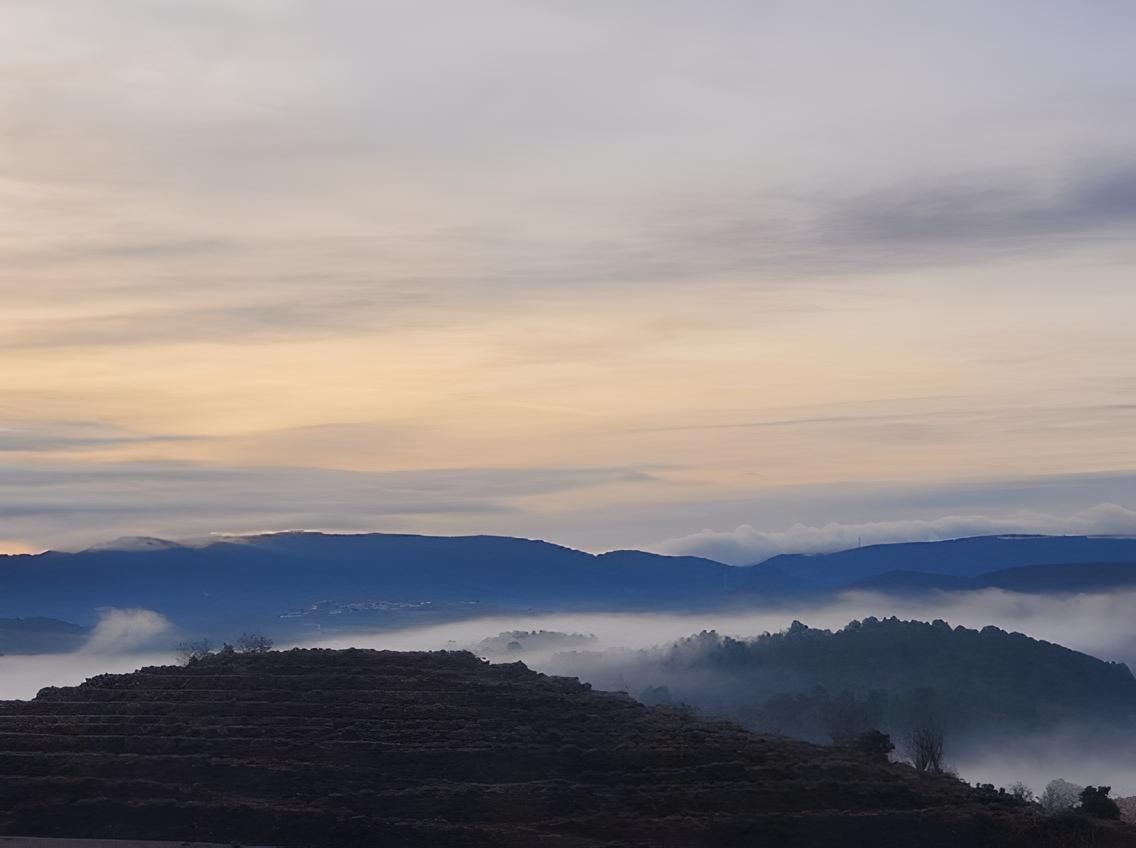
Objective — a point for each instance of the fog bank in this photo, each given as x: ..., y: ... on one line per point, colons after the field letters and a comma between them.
x: 1100, y: 624
x: 122, y: 641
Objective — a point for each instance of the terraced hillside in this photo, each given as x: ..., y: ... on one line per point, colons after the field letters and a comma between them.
x: 364, y: 748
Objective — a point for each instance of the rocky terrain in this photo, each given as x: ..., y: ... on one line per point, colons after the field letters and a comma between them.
x: 35, y: 842
x: 353, y: 748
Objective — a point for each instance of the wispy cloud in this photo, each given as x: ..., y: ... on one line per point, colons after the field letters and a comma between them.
x: 69, y: 505
x: 121, y: 631
x: 580, y: 235
x: 747, y: 545
x: 30, y: 436
x: 963, y: 219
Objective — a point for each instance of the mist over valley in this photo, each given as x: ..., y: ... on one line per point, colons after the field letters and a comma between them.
x: 1012, y: 708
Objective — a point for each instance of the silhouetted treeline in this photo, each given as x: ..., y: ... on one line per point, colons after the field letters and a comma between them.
x: 890, y: 674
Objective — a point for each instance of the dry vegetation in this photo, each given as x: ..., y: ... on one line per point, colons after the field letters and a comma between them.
x: 360, y: 747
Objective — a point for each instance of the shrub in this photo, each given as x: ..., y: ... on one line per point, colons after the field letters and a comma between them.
x: 1095, y: 802
x: 192, y: 651
x: 254, y: 643
x: 875, y: 743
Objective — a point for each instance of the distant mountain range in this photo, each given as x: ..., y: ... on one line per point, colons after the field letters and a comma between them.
x: 1056, y: 577
x: 393, y: 580
x: 40, y: 636
x: 395, y: 577
x: 969, y: 557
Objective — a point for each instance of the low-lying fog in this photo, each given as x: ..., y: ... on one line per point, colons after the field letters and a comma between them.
x: 1101, y: 625
x: 122, y: 641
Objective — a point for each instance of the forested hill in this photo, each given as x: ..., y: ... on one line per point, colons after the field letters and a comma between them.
x: 890, y: 653
x: 362, y: 748
x: 880, y: 673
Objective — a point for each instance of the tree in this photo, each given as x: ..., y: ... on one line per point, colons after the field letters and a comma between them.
x: 254, y: 643
x: 925, y: 747
x: 1059, y: 795
x: 192, y: 651
x: 844, y: 716
x: 1022, y: 792
x: 875, y: 743
x: 1095, y: 802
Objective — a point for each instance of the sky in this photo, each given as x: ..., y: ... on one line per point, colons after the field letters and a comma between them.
x: 702, y: 276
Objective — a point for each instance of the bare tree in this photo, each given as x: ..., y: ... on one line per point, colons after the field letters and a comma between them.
x: 1022, y: 792
x: 192, y: 651
x: 254, y: 643
x: 925, y: 747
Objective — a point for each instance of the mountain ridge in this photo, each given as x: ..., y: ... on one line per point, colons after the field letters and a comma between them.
x: 967, y: 556
x: 235, y: 579
x: 1042, y: 578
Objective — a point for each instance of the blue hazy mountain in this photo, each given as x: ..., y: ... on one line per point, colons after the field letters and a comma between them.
x: 40, y: 636
x: 1050, y: 578
x: 968, y: 557
x: 268, y: 575
x: 400, y: 579
x: 904, y: 582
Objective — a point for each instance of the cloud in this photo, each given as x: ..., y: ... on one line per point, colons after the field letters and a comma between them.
x: 618, y: 147
x: 29, y: 436
x: 122, y: 631
x: 992, y: 216
x: 441, y: 274
x: 747, y: 545
x: 74, y: 504
x: 449, y: 217
x: 79, y: 504
x: 963, y: 218
x: 265, y: 322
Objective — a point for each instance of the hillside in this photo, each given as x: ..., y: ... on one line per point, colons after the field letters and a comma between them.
x: 40, y: 636
x: 891, y: 674
x: 1051, y: 578
x: 353, y: 747
x: 968, y: 557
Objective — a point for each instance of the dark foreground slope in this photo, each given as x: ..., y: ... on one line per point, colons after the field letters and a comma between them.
x: 367, y: 748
